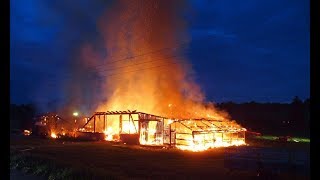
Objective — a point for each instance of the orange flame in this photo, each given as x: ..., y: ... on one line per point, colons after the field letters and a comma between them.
x: 26, y: 132
x: 109, y: 134
x: 53, y: 135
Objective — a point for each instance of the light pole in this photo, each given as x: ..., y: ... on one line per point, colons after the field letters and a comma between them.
x: 75, y: 114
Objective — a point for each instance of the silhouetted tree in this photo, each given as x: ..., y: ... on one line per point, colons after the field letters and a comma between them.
x: 271, y: 118
x: 296, y: 100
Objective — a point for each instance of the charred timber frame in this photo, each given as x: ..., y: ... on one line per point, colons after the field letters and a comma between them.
x: 142, y: 117
x: 209, y: 124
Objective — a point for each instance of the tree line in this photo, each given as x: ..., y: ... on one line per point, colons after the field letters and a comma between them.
x: 291, y: 119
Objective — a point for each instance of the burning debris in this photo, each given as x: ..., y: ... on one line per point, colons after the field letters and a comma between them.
x: 53, y: 135
x: 26, y: 132
x: 53, y: 126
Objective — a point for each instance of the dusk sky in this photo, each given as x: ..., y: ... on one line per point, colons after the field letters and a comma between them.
x: 240, y: 50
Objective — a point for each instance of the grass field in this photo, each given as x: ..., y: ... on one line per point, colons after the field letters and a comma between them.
x: 57, y: 159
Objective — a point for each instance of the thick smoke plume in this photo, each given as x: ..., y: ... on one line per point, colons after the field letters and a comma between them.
x: 145, y: 67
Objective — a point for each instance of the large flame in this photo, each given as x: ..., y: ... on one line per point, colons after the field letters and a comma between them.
x: 145, y: 69
x: 156, y: 79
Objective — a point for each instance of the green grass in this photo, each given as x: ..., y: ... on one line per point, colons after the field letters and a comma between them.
x: 57, y: 159
x: 292, y: 139
x: 297, y: 139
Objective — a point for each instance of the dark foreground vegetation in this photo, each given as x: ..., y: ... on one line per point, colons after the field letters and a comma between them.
x: 60, y: 159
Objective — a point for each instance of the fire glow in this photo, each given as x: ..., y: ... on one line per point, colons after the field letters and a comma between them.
x: 109, y: 134
x: 26, y: 132
x: 53, y: 135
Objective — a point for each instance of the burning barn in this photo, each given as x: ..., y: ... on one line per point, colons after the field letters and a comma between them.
x: 52, y: 125
x: 202, y: 134
x: 134, y: 127
x: 46, y: 125
x: 147, y: 69
x: 127, y: 126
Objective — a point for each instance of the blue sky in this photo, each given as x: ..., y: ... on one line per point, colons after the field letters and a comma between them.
x: 240, y: 50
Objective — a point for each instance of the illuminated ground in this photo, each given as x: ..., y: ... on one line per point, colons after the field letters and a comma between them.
x: 102, y: 159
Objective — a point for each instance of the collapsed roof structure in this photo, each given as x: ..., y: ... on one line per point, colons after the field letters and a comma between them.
x: 134, y: 127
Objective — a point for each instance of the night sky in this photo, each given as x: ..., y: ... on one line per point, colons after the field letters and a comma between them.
x: 240, y: 50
